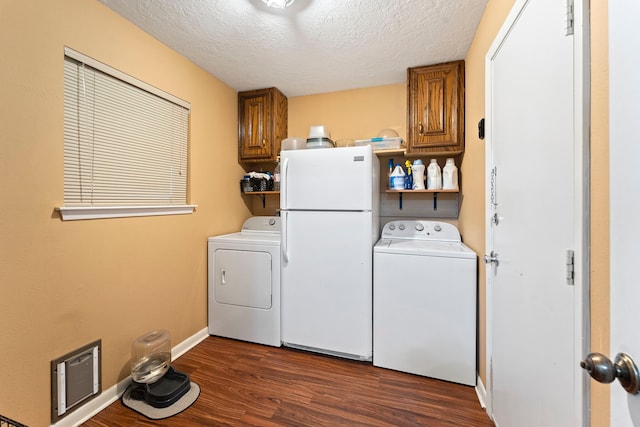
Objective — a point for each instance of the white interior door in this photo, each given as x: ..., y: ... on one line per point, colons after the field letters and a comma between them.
x: 534, y: 215
x: 624, y: 152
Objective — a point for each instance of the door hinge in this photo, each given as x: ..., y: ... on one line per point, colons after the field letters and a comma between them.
x: 570, y: 267
x: 570, y: 20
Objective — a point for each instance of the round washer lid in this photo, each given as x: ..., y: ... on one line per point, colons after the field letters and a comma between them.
x: 424, y: 248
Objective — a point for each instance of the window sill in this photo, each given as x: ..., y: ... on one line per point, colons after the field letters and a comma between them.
x: 101, y: 212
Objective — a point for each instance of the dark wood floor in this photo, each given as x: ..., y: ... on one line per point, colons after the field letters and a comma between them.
x: 245, y: 384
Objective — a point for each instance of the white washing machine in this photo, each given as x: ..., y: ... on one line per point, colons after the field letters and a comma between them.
x: 244, y: 282
x: 424, y: 301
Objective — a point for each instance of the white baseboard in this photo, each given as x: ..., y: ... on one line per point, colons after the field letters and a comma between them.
x: 482, y: 393
x: 189, y: 343
x: 107, y: 397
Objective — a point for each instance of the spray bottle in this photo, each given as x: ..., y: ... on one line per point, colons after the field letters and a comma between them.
x: 408, y: 181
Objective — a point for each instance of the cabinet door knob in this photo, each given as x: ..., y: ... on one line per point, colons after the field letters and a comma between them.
x: 420, y: 129
x: 264, y: 142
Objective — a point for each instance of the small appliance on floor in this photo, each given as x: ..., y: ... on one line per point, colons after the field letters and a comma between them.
x: 154, y: 380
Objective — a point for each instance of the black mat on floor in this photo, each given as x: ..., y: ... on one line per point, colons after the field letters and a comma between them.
x: 152, y: 413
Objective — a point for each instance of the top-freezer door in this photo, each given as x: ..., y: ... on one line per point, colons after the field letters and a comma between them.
x: 342, y: 179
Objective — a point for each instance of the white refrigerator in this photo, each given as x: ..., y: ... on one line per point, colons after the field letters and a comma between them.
x: 329, y: 211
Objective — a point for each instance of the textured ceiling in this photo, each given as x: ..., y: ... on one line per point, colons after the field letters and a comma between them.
x: 314, y: 46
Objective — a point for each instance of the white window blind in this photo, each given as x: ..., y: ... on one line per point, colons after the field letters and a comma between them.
x: 125, y: 142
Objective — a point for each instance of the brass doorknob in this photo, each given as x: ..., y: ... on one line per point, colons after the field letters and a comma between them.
x: 603, y: 370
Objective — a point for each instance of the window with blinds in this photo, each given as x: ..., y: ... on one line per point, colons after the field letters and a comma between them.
x: 125, y: 144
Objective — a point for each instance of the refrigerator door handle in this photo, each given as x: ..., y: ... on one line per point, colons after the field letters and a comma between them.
x: 283, y: 184
x: 285, y: 223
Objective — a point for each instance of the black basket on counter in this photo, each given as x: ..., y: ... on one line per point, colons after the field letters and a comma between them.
x: 249, y: 185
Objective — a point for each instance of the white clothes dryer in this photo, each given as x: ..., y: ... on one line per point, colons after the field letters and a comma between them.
x: 424, y: 301
x: 244, y: 282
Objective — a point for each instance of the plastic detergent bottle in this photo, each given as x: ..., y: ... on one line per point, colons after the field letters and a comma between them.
x: 397, y: 178
x: 389, y: 175
x: 434, y: 176
x: 450, y: 175
x: 418, y: 175
x: 408, y: 181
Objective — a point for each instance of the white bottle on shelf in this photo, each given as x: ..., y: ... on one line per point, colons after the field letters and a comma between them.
x: 418, y: 175
x: 450, y: 175
x: 434, y: 176
x: 397, y: 178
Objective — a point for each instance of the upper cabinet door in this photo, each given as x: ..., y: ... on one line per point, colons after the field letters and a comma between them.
x: 435, y: 96
x: 262, y: 124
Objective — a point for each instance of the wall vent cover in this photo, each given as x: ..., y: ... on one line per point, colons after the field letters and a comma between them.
x: 75, y: 378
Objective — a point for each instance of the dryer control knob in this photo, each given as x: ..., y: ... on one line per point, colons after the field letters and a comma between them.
x: 272, y: 221
x: 392, y: 227
x: 437, y: 227
x: 419, y: 227
x: 401, y: 226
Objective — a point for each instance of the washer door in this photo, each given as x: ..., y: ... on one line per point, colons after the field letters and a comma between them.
x: 243, y: 278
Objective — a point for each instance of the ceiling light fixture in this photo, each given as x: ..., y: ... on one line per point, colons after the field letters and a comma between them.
x: 279, y: 4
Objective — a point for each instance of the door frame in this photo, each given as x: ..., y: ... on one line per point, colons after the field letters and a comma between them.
x: 581, y: 202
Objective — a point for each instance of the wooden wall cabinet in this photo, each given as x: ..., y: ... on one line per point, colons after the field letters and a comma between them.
x: 435, y: 107
x: 262, y: 124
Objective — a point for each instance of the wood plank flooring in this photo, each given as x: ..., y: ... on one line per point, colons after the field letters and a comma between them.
x: 244, y: 384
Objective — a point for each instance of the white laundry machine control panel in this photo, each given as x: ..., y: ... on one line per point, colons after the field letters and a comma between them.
x: 421, y: 230
x: 257, y: 224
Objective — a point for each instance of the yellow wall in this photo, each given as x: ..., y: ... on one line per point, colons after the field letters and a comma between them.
x: 600, y: 203
x: 348, y: 115
x: 65, y: 284
x: 351, y: 114
x: 472, y: 211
